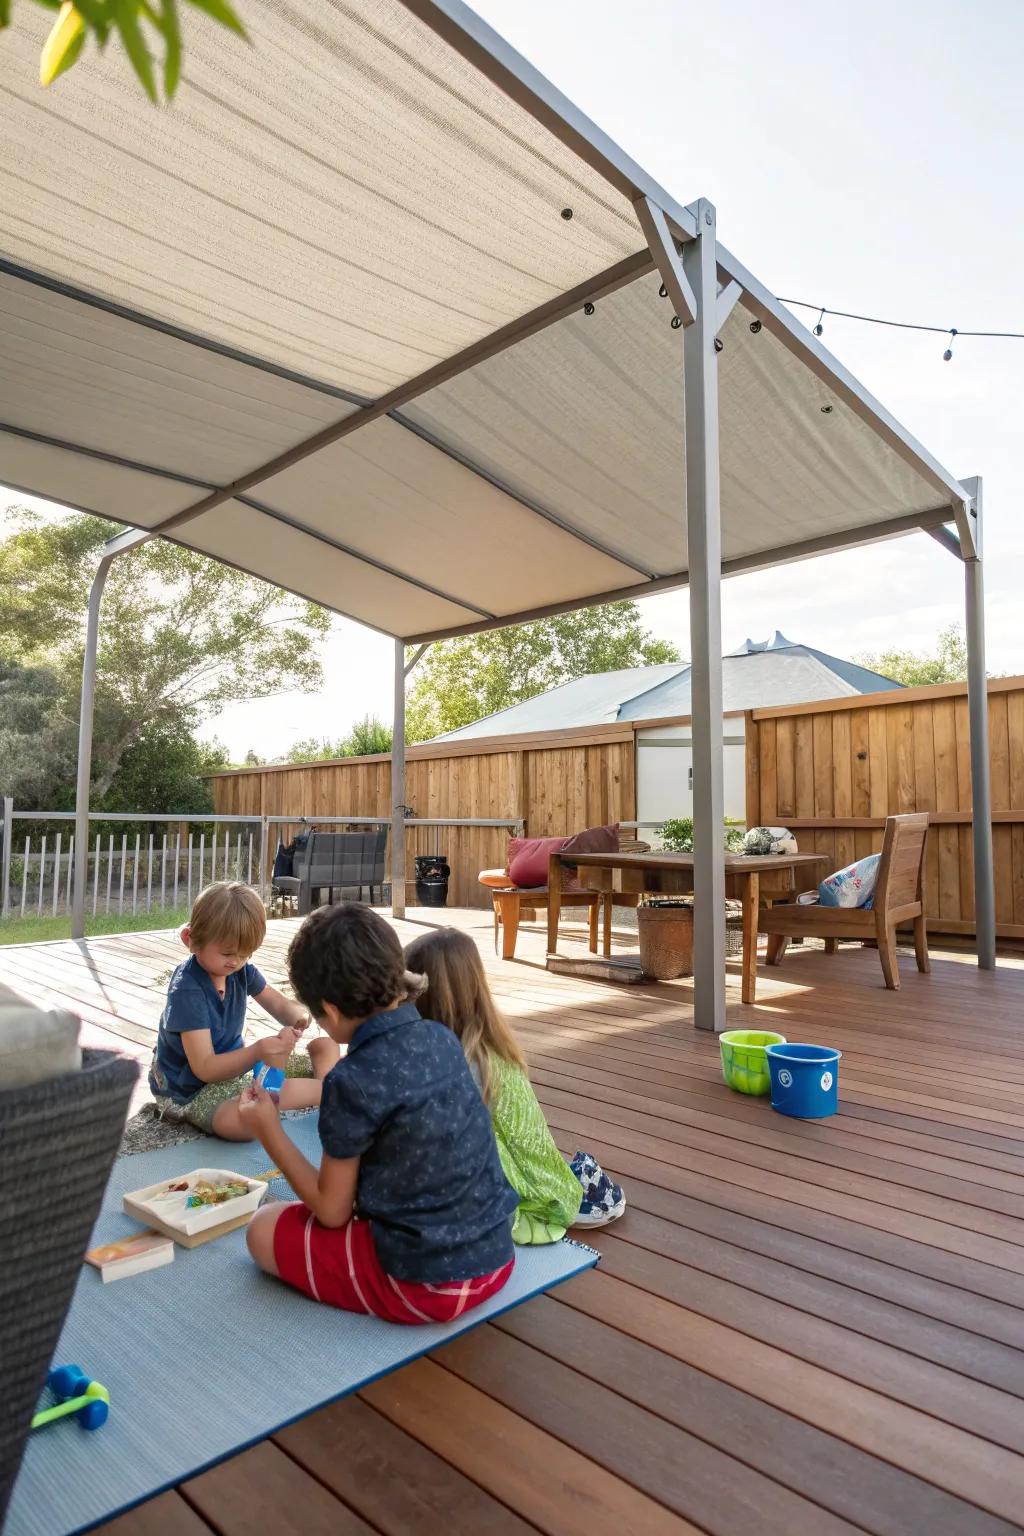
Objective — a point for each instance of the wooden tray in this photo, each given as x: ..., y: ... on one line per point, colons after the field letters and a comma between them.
x: 183, y: 1239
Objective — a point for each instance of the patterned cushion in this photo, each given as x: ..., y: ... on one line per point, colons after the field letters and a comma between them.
x: 853, y: 886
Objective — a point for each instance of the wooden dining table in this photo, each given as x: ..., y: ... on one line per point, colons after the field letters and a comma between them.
x: 749, y: 878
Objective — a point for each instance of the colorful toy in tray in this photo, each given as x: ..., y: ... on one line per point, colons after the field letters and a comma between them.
x: 76, y: 1396
x: 205, y: 1193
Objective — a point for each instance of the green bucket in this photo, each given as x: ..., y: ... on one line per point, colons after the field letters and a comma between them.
x: 744, y: 1063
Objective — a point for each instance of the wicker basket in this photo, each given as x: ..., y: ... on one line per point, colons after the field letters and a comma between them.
x: 58, y: 1141
x: 666, y: 940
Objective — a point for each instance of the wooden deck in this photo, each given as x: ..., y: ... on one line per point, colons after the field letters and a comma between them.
x: 797, y: 1329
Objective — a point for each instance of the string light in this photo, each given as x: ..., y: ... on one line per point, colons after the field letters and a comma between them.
x: 903, y: 325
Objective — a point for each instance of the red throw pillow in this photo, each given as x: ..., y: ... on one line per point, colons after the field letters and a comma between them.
x: 528, y: 859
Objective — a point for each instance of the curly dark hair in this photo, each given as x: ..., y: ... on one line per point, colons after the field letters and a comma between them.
x: 348, y: 956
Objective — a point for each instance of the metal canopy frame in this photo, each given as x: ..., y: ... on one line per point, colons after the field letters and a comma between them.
x: 704, y: 282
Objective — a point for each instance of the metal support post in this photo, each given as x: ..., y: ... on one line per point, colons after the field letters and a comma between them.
x: 5, y: 856
x: 398, y: 787
x: 85, y: 748
x: 704, y: 544
x: 981, y: 793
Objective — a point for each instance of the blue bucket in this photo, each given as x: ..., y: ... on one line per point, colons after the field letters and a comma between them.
x: 805, y: 1080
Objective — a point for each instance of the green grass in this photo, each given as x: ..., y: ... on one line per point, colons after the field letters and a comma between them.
x: 42, y: 930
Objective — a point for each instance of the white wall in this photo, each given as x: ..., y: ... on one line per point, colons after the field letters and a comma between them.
x: 664, y: 759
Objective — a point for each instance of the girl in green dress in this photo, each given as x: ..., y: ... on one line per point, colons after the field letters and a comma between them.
x: 553, y: 1194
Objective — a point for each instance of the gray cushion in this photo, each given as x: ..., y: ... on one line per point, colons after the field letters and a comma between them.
x: 35, y: 1044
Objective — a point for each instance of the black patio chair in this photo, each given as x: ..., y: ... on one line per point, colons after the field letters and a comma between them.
x: 336, y: 862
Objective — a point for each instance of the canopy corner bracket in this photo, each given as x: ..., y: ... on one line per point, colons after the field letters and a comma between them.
x: 662, y: 246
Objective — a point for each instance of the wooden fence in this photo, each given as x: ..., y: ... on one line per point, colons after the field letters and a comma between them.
x: 833, y: 771
x: 555, y: 783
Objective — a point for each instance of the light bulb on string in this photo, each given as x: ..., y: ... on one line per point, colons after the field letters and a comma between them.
x: 819, y: 327
x: 947, y: 356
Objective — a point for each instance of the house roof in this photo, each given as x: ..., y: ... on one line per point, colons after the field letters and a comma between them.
x: 325, y: 320
x: 756, y: 676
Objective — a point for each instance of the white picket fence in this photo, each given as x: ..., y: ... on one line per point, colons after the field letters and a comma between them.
x: 127, y: 874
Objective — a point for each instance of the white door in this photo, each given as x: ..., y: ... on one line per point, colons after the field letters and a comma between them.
x: 664, y: 772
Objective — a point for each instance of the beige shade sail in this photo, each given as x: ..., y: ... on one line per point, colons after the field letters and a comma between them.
x: 335, y: 297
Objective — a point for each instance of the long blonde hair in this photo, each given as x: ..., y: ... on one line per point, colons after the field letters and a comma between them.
x: 456, y: 994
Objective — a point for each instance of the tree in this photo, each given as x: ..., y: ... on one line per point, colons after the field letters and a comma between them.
x: 140, y: 25
x: 165, y: 768
x: 37, y: 739
x: 366, y: 737
x: 948, y: 664
x: 463, y: 679
x: 181, y: 636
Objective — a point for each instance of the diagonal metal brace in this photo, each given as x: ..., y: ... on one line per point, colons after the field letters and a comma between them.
x: 662, y: 246
x: 729, y: 296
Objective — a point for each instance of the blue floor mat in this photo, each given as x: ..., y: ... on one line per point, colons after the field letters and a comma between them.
x: 206, y: 1355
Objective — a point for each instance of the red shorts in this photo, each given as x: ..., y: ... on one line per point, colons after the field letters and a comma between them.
x: 339, y: 1266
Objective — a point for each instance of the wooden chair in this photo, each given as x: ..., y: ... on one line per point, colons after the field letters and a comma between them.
x: 513, y: 904
x: 898, y: 900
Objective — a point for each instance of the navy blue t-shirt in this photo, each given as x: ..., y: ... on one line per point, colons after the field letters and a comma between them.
x: 404, y: 1102
x: 193, y: 1002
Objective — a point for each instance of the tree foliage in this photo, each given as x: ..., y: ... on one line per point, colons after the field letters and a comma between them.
x: 367, y: 736
x: 462, y: 680
x: 149, y: 31
x: 181, y: 637
x: 947, y: 664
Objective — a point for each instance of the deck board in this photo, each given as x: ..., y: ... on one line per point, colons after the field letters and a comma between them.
x: 800, y: 1328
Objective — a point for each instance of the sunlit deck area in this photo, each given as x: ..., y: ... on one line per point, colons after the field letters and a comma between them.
x: 797, y: 1327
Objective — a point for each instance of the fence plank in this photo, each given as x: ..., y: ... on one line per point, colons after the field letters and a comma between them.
x: 860, y: 768
x: 56, y: 876
x: 24, y: 874
x: 120, y: 887
x: 785, y: 790
x: 822, y: 737
x: 135, y: 873
x: 42, y: 877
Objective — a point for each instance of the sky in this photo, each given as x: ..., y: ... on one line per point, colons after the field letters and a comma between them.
x: 859, y: 157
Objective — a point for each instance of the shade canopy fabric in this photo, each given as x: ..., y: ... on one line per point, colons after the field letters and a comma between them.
x: 333, y: 296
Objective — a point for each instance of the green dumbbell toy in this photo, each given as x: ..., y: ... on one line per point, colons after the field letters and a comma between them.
x: 76, y: 1396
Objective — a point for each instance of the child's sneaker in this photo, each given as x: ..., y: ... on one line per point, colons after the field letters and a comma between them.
x: 603, y: 1199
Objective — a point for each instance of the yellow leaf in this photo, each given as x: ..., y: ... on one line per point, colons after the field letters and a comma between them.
x: 63, y: 45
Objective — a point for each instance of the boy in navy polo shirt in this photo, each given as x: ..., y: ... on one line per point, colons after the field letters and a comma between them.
x: 201, y: 1062
x: 409, y: 1215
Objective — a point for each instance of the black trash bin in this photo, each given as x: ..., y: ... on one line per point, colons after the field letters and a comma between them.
x: 432, y: 875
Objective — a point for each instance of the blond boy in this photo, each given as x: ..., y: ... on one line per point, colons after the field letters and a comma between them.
x: 201, y: 1063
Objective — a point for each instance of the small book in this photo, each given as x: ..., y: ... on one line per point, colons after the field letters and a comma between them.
x: 130, y: 1255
